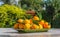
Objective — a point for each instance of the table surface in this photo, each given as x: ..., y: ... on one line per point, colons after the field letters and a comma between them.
x: 10, y: 32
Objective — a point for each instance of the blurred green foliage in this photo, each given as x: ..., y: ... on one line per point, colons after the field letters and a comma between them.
x: 9, y: 14
x: 52, y: 9
x: 35, y: 5
x: 50, y: 14
x: 56, y: 21
x: 32, y: 4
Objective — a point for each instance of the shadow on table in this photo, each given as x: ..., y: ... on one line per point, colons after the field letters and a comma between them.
x: 23, y: 32
x: 4, y: 36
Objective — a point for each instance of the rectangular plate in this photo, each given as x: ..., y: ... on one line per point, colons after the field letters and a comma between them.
x: 31, y: 31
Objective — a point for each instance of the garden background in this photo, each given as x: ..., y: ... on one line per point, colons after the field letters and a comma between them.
x: 11, y: 10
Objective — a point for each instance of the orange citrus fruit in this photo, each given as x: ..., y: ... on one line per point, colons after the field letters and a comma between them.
x: 27, y: 21
x: 27, y: 26
x: 34, y: 26
x: 42, y: 22
x: 21, y: 26
x: 20, y: 20
x: 36, y: 18
x: 16, y: 26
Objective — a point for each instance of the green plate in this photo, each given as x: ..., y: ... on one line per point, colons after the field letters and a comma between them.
x: 31, y: 31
